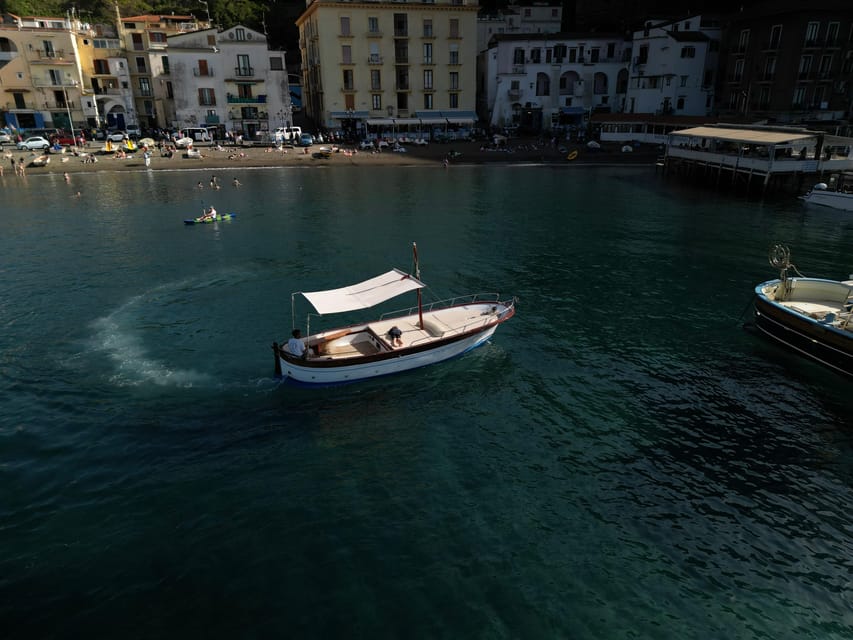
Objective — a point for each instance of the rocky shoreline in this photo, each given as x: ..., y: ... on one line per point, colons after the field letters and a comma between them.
x: 243, y: 157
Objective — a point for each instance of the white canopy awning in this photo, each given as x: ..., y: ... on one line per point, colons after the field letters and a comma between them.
x: 363, y: 295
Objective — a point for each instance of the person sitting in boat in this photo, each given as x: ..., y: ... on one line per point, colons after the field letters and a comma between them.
x: 209, y: 214
x: 396, y: 336
x: 296, y: 346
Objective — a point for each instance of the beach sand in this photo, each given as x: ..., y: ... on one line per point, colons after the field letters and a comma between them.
x: 524, y: 152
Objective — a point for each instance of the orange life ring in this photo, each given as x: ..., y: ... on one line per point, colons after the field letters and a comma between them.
x: 572, y: 155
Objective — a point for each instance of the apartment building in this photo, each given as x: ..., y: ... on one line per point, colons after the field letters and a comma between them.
x: 41, y: 84
x: 371, y: 62
x: 547, y: 81
x: 144, y: 40
x: 539, y: 17
x: 789, y: 62
x: 230, y: 79
x: 674, y: 67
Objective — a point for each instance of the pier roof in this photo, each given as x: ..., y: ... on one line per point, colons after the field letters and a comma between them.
x: 746, y: 136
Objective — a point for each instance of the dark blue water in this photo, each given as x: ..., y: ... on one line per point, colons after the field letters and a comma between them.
x: 621, y: 461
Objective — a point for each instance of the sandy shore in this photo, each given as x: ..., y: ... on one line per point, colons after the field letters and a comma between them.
x: 253, y: 157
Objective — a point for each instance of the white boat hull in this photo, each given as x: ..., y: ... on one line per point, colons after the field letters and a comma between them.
x: 361, y: 352
x: 834, y: 199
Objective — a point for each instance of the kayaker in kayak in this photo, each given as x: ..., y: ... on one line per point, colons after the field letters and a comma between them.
x: 210, y: 214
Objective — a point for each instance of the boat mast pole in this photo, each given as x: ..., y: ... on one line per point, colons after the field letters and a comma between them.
x: 417, y: 271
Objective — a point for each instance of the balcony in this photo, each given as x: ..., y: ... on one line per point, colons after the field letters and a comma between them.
x: 348, y: 88
x: 144, y: 93
x: 203, y: 73
x: 514, y: 94
x: 244, y: 72
x: 45, y: 55
x: 374, y: 58
x: 401, y: 33
x: 374, y: 34
x: 242, y: 100
x: 517, y: 68
x: 401, y: 59
x: 61, y: 105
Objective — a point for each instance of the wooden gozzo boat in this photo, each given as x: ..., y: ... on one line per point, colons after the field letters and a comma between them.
x: 812, y: 316
x: 397, y: 341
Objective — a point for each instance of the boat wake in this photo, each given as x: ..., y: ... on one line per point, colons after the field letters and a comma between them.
x: 168, y: 318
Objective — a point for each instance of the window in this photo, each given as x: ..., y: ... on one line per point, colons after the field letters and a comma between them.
x: 144, y: 87
x: 799, y: 97
x: 348, y: 80
x: 427, y: 52
x: 157, y: 37
x: 611, y: 50
x: 427, y: 28
x: 206, y: 97
x: 683, y: 82
x: 536, y: 55
x: 427, y: 101
x: 594, y: 54
x: 170, y: 91
x: 239, y: 34
x: 454, y: 80
x: 453, y: 101
x: 140, y: 65
x: 811, y: 33
x: 376, y: 101
x: 769, y: 68
x: 518, y: 56
x: 454, y: 54
x: 832, y: 34
x: 738, y: 74
x: 688, y: 52
x: 454, y: 27
x: 775, y: 36
x: 817, y: 97
x: 376, y: 79
x: 549, y: 56
x: 679, y: 104
x: 244, y: 68
x: 805, y: 66
x: 276, y: 64
x: 346, y: 54
x: 743, y: 40
x: 345, y: 30
x: 825, y: 66
x: 244, y: 91
x: 102, y: 67
x: 165, y: 60
x: 764, y: 98
x: 427, y: 79
x: 373, y: 25
x: 374, y: 57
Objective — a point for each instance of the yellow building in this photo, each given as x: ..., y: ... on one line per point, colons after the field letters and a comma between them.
x: 40, y: 82
x: 392, y: 64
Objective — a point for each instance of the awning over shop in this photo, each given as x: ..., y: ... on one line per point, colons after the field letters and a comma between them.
x: 380, y: 122
x: 572, y: 111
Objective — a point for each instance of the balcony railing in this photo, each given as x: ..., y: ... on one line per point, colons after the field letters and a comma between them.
x: 241, y: 100
x: 517, y: 68
x: 203, y: 73
x: 515, y: 94
x: 60, y: 105
x: 43, y: 54
x: 374, y: 58
x: 401, y: 33
x: 374, y: 34
x: 244, y: 72
x: 401, y: 59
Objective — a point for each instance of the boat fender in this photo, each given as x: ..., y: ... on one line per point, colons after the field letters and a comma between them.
x: 572, y: 155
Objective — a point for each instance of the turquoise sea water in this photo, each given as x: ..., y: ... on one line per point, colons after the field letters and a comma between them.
x: 622, y: 460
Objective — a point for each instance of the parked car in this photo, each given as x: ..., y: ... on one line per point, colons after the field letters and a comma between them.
x: 133, y: 131
x: 182, y: 143
x: 366, y: 145
x: 64, y: 139
x: 306, y: 140
x: 117, y: 136
x: 5, y: 137
x: 420, y: 142
x: 33, y: 143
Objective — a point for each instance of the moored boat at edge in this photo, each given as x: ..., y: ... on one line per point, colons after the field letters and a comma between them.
x: 396, y: 341
x: 812, y: 316
x: 821, y: 195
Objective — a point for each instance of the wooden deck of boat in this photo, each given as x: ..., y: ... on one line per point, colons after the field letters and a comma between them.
x: 437, y: 324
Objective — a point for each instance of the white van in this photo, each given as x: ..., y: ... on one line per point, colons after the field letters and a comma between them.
x: 288, y: 135
x: 198, y: 134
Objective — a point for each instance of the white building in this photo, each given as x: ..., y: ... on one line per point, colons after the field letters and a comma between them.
x: 673, y: 67
x: 544, y: 82
x: 538, y: 17
x: 229, y: 78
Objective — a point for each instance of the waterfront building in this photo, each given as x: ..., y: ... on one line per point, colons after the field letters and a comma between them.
x: 40, y: 73
x: 539, y: 17
x: 552, y: 82
x: 674, y: 67
x: 229, y: 80
x: 388, y: 64
x: 789, y: 62
x: 144, y: 38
